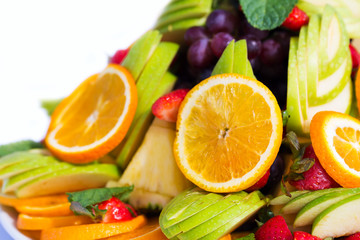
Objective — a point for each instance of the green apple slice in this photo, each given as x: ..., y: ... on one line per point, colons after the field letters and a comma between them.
x: 70, y: 179
x: 17, y: 157
x: 312, y: 209
x: 182, y: 14
x: 151, y: 77
x: 211, y: 222
x: 181, y: 25
x: 302, y: 71
x: 294, y: 205
x: 235, y: 222
x: 24, y: 166
x: 313, y: 58
x: 283, y: 199
x: 177, y: 5
x: 193, y: 208
x: 340, y: 219
x: 140, y: 52
x: 188, y: 229
x: 12, y: 183
x: 234, y: 60
x: 139, y: 127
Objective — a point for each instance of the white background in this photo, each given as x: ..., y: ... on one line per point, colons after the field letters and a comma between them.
x: 48, y: 47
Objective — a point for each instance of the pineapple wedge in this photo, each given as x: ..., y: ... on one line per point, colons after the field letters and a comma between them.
x: 153, y: 170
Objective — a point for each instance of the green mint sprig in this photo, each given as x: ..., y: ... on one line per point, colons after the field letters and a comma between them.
x: 267, y: 14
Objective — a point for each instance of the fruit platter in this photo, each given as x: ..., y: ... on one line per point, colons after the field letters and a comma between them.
x: 228, y: 119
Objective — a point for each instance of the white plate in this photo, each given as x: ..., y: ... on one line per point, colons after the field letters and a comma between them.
x: 8, y: 221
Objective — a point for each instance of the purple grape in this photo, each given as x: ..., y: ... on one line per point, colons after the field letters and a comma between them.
x: 219, y: 42
x: 255, y: 64
x: 221, y: 21
x: 200, y: 54
x: 253, y: 46
x: 195, y: 33
x: 283, y: 38
x: 276, y: 172
x: 247, y: 29
x: 271, y: 52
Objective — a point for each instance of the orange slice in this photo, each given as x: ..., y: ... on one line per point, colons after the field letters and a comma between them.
x: 62, y: 209
x: 26, y: 222
x: 9, y: 200
x: 229, y: 131
x: 93, y: 231
x: 94, y: 118
x: 336, y: 141
x: 150, y: 231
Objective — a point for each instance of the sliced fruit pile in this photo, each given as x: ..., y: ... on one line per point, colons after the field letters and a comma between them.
x: 182, y: 136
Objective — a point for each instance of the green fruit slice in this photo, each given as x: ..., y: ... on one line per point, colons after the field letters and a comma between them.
x: 68, y: 180
x: 312, y: 209
x: 283, y: 199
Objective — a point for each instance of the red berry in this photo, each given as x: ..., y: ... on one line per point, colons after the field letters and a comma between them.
x: 274, y: 228
x: 355, y: 57
x: 167, y: 106
x: 116, y: 210
x: 355, y: 236
x: 296, y: 19
x: 299, y: 235
x: 261, y: 183
x: 316, y: 177
x: 119, y: 56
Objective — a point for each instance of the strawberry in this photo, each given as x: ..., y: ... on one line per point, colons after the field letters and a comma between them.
x: 355, y: 236
x: 261, y: 183
x: 274, y: 228
x: 116, y: 210
x: 355, y: 57
x: 167, y: 106
x: 296, y: 19
x: 316, y: 177
x: 299, y: 235
x: 119, y: 56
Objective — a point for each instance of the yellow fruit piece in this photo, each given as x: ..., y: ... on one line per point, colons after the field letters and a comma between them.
x: 357, y: 89
x: 26, y: 222
x: 93, y: 231
x: 94, y: 118
x: 229, y: 131
x: 336, y: 141
x: 13, y: 201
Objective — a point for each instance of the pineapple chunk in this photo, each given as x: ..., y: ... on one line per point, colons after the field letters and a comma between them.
x: 153, y: 170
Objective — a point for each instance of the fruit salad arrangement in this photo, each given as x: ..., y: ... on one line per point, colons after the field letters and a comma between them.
x: 227, y: 120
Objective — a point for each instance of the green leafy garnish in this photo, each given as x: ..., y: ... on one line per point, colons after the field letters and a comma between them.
x: 85, y: 202
x: 267, y: 14
x: 23, y: 145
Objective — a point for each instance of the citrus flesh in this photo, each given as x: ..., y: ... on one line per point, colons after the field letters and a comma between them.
x: 229, y: 131
x: 93, y: 119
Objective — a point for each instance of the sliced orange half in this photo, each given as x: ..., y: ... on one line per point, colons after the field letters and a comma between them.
x: 229, y: 131
x: 94, y: 118
x: 336, y: 141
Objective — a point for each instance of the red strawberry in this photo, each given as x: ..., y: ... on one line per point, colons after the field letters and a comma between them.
x: 167, y: 106
x: 261, y: 183
x: 119, y: 56
x: 299, y: 235
x: 355, y: 57
x: 355, y: 236
x: 116, y: 210
x: 274, y: 228
x: 316, y: 177
x: 296, y: 19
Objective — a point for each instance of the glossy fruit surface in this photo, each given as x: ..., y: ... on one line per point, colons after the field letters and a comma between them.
x: 229, y: 131
x: 116, y: 210
x: 94, y: 118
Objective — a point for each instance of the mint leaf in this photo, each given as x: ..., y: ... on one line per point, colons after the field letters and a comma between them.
x: 97, y: 195
x: 86, y: 202
x: 18, y: 146
x: 267, y: 14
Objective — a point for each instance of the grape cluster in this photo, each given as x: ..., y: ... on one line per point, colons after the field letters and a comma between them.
x: 267, y: 50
